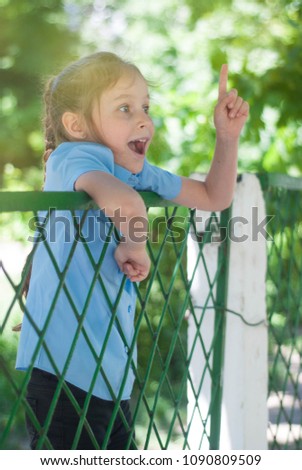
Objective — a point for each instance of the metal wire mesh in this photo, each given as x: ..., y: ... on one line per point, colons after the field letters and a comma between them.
x: 162, y: 377
x: 160, y: 416
x: 283, y: 196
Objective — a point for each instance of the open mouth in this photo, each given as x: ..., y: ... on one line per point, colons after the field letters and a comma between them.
x: 138, y: 146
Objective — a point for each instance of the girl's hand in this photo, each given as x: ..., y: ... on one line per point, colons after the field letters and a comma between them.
x: 134, y: 263
x: 231, y: 111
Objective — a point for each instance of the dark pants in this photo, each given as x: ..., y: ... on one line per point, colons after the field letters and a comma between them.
x: 65, y: 419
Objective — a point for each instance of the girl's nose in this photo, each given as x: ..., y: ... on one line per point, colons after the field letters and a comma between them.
x: 144, y: 120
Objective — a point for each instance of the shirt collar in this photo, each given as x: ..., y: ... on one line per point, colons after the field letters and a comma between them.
x: 126, y: 176
x: 122, y: 173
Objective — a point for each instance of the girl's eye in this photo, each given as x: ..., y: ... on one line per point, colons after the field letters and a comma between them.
x: 124, y: 108
x: 146, y: 108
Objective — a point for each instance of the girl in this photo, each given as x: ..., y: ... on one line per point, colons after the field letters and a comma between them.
x: 81, y: 299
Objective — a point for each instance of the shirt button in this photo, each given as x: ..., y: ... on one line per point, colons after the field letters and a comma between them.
x: 129, y: 309
x: 132, y: 179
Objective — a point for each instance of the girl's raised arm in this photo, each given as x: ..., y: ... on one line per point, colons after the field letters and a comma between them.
x: 216, y: 192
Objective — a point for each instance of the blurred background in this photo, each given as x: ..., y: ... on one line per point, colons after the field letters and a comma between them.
x: 179, y: 45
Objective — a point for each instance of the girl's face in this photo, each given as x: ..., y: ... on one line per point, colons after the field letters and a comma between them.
x: 122, y: 122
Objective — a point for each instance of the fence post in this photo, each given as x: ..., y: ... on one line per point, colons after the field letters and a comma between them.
x: 244, y: 413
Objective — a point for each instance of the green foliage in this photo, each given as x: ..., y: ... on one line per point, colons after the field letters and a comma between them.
x: 200, y: 9
x: 261, y: 41
x: 14, y: 226
x: 31, y: 39
x: 17, y: 438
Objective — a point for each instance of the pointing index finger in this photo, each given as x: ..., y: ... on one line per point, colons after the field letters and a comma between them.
x: 223, y: 80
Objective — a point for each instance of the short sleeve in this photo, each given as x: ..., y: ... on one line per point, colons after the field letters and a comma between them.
x: 72, y: 159
x: 155, y: 179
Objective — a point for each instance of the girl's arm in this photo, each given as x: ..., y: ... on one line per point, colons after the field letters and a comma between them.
x: 126, y: 209
x: 216, y: 192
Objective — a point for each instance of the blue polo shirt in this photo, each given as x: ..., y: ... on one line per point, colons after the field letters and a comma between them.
x: 72, y: 295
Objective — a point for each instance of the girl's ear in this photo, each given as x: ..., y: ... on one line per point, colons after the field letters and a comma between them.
x: 75, y: 125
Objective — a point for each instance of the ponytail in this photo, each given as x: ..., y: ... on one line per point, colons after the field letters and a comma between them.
x: 49, y: 132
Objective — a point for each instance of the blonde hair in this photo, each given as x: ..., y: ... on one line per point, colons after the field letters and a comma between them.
x: 76, y: 88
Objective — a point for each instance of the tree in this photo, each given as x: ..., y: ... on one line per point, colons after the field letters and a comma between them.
x: 35, y: 40
x: 262, y: 40
x: 180, y: 45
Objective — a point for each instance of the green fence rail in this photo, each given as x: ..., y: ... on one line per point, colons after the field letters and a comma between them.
x: 160, y: 419
x: 283, y: 198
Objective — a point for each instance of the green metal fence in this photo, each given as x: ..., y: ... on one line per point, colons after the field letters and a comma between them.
x: 162, y: 377
x: 283, y: 198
